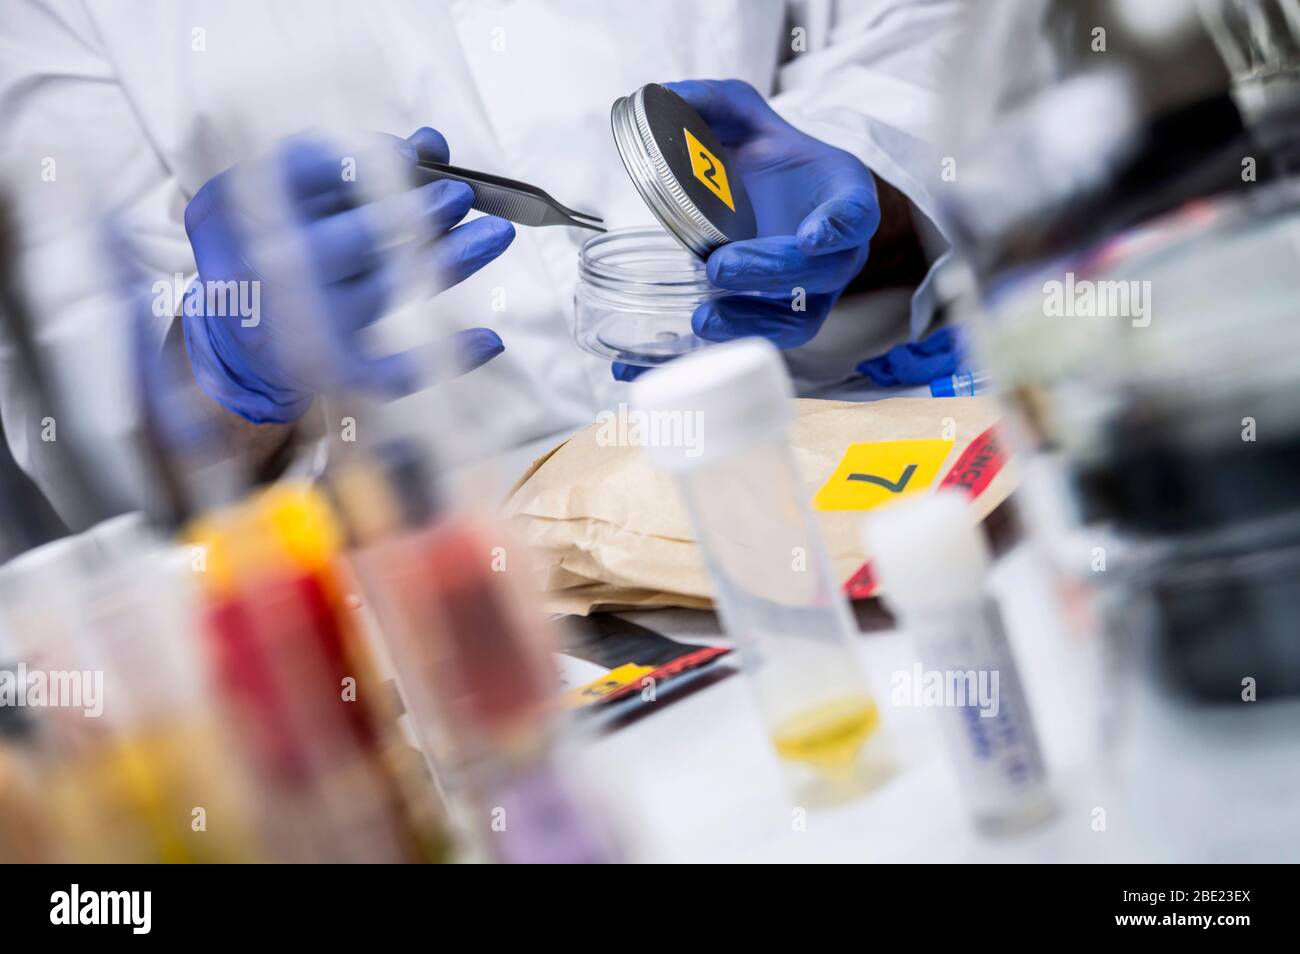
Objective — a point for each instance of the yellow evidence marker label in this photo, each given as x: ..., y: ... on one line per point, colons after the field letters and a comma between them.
x: 609, y: 683
x: 709, y: 169
x: 878, y: 472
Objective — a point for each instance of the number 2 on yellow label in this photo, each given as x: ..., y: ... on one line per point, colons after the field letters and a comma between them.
x: 709, y: 169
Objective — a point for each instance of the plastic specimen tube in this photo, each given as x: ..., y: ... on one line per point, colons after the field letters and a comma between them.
x: 303, y: 689
x: 473, y: 665
x: 718, y: 420
x: 933, y: 563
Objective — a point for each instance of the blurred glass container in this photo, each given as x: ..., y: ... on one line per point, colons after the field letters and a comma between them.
x: 1138, y: 282
x: 1070, y: 120
x: 1122, y: 203
x: 1260, y: 42
x: 637, y: 289
x: 1177, y: 421
x: 1204, y: 782
x: 1177, y: 432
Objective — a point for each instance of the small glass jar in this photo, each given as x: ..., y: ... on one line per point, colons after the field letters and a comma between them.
x: 637, y: 289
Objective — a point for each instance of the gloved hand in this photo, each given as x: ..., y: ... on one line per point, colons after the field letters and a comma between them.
x: 816, y: 211
x: 917, y: 362
x: 326, y: 270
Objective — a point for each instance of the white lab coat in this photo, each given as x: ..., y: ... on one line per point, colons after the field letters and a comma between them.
x: 138, y: 102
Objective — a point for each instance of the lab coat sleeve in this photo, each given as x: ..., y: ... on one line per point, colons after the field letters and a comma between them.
x: 74, y: 150
x: 867, y: 76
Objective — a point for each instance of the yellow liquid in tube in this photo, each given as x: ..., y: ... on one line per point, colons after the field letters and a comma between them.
x: 132, y: 801
x: 828, y: 736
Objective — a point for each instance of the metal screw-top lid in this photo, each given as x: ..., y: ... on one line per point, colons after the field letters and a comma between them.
x: 681, y: 170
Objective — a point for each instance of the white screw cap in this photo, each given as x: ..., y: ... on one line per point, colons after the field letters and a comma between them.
x: 738, y: 394
x: 927, y: 552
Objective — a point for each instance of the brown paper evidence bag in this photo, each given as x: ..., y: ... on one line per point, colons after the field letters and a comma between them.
x: 609, y: 532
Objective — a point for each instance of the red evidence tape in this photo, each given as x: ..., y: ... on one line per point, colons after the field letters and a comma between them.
x: 977, y: 466
x: 673, y: 667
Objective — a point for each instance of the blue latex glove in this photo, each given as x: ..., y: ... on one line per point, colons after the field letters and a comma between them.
x: 918, y: 362
x: 259, y: 371
x: 816, y: 210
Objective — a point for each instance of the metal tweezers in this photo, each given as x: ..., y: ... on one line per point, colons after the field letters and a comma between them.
x: 516, y: 201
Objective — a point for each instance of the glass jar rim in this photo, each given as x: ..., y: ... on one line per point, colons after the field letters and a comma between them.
x: 680, y: 272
